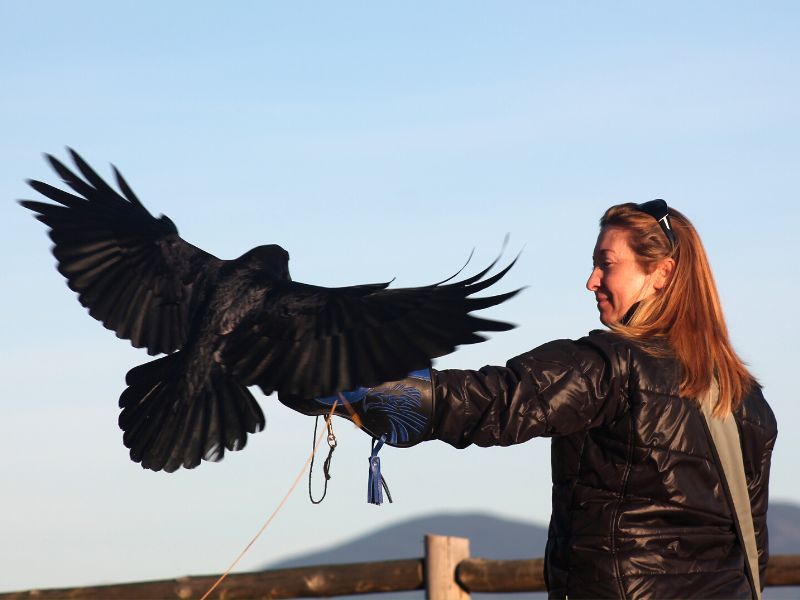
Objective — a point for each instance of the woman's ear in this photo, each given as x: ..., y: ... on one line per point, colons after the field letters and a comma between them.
x: 663, y: 273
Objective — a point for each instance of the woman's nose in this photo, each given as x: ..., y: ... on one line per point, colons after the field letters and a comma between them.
x: 593, y: 283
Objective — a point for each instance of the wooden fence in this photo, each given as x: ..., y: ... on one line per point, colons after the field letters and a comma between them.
x: 446, y: 572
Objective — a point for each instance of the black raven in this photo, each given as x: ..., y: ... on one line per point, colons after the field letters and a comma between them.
x: 228, y: 324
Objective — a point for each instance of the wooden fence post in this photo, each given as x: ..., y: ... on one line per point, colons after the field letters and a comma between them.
x: 442, y: 555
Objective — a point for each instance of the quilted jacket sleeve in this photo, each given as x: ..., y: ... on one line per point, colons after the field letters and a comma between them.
x: 559, y: 388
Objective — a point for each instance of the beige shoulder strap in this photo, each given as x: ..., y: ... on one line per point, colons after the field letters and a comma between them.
x: 725, y: 435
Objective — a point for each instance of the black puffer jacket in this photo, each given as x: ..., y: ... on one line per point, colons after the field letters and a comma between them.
x: 639, y: 506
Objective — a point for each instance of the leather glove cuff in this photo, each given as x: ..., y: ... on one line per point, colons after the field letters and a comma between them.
x: 401, y: 410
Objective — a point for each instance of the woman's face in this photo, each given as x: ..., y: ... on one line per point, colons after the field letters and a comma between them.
x: 617, y: 279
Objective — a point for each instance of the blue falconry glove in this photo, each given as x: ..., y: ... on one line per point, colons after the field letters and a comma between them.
x: 401, y: 411
x: 398, y: 413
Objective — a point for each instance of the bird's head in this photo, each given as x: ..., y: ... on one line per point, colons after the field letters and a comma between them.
x: 270, y: 258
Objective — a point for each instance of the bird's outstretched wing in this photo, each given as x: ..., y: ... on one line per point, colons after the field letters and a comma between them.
x: 310, y: 341
x: 132, y: 271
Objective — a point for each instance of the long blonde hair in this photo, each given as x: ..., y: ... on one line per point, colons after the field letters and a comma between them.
x: 686, y: 312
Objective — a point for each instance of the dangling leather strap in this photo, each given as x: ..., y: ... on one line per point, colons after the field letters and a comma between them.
x: 725, y: 437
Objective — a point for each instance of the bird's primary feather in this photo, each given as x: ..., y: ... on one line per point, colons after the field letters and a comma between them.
x: 132, y: 271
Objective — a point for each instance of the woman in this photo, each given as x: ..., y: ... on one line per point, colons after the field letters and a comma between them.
x: 640, y: 507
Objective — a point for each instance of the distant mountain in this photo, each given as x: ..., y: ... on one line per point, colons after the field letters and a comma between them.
x: 490, y: 537
x: 502, y: 539
x: 783, y: 521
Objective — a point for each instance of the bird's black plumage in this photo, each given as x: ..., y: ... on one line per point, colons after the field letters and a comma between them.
x: 229, y: 324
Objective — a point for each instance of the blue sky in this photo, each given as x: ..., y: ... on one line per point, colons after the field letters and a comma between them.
x: 372, y: 140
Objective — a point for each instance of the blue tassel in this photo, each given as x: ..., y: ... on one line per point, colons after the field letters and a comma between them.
x: 376, y: 484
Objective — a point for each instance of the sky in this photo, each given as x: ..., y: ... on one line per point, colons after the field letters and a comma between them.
x: 373, y: 141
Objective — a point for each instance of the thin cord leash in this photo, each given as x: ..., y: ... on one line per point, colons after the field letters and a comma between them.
x: 326, y: 467
x: 274, y: 513
x: 332, y: 443
x: 351, y: 411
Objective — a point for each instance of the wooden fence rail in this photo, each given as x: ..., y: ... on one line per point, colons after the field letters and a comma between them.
x: 446, y: 573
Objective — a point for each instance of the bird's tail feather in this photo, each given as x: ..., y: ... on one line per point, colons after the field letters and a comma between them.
x: 173, y: 418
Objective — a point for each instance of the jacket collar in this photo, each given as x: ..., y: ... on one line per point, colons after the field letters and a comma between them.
x: 631, y: 311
